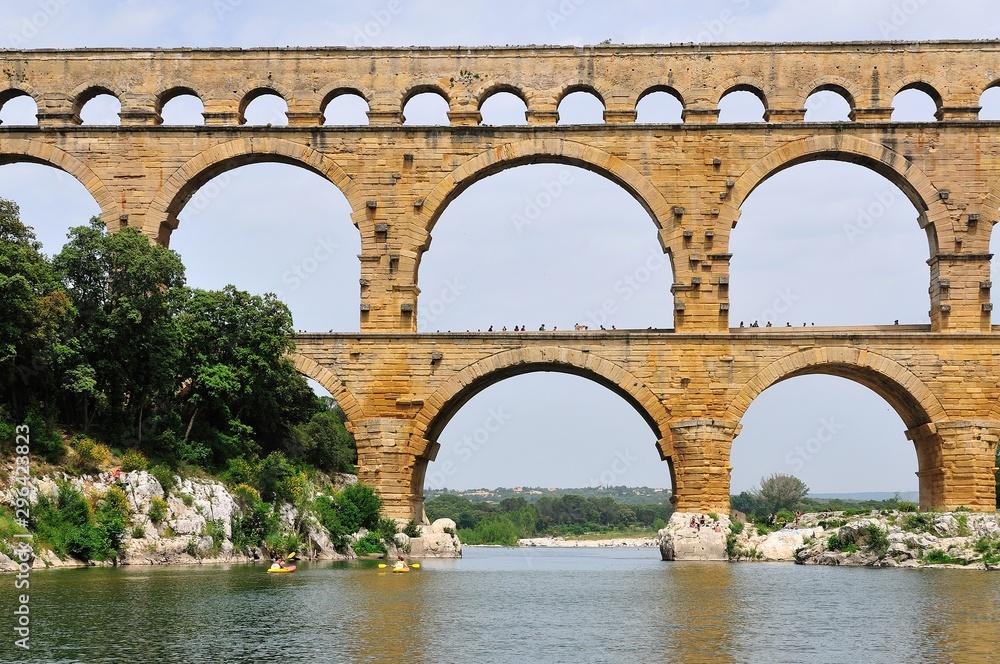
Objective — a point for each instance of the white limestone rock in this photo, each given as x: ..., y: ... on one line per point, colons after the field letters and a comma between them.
x: 679, y: 541
x: 436, y: 540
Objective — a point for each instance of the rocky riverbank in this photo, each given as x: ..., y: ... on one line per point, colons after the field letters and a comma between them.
x: 964, y: 540
x: 192, y: 524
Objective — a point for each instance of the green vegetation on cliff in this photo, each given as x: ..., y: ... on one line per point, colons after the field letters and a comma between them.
x: 112, y: 361
x: 105, y: 340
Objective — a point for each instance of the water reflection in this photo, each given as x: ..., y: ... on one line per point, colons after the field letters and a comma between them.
x: 501, y: 605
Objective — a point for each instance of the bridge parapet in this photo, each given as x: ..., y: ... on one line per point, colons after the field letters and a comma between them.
x: 867, y: 74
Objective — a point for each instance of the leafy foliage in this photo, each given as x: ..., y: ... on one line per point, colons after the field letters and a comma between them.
x: 133, y: 460
x: 779, y: 492
x: 369, y: 544
x: 106, y: 339
x: 73, y: 528
x: 157, y: 510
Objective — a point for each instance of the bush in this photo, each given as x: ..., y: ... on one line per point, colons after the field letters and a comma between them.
x: 90, y: 455
x: 411, y: 529
x: 253, y: 528
x: 907, y: 506
x: 165, y: 476
x: 138, y: 532
x: 133, y: 460
x: 784, y: 516
x: 217, y: 531
x: 72, y: 528
x: 835, y: 543
x: 919, y: 522
x: 283, y: 544
x: 294, y: 488
x: 736, y: 527
x: 359, y: 507
x: 113, y: 516
x: 387, y: 528
x: 497, y: 529
x: 246, y: 497
x: 875, y: 540
x: 45, y: 440
x: 157, y: 510
x: 328, y: 515
x: 370, y: 543
x: 241, y: 470
x: 274, y: 471
x: 939, y: 557
x: 187, y: 499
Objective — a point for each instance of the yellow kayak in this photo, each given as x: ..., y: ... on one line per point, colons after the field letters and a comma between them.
x: 281, y: 570
x: 400, y: 570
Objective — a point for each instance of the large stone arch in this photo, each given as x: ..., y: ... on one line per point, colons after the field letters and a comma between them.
x: 918, y: 407
x: 907, y: 394
x: 161, y: 216
x: 21, y: 150
x: 441, y: 406
x: 310, y: 368
x: 539, y: 151
x: 891, y: 165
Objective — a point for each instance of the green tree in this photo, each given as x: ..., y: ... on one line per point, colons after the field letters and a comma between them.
x: 34, y: 313
x: 240, y: 392
x: 359, y: 507
x: 747, y: 503
x: 126, y: 347
x: 780, y: 491
x: 324, y: 442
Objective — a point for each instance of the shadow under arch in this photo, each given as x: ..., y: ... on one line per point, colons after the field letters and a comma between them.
x: 891, y: 165
x: 541, y: 151
x: 446, y: 401
x: 310, y: 368
x: 32, y: 152
x: 161, y: 215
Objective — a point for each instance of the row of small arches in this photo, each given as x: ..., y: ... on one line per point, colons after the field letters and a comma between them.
x: 660, y: 105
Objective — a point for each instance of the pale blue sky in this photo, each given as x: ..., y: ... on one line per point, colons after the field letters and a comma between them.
x: 791, y: 246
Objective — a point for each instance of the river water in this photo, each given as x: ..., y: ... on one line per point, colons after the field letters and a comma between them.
x: 512, y: 605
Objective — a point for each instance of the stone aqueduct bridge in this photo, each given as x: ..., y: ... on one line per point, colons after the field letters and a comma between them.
x: 692, y: 384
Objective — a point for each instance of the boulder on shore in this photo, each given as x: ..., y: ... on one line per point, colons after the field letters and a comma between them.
x: 680, y: 541
x: 438, y: 540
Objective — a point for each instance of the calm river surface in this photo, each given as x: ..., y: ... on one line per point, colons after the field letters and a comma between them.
x: 512, y: 605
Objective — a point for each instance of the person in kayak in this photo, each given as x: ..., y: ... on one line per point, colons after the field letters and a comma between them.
x: 400, y: 564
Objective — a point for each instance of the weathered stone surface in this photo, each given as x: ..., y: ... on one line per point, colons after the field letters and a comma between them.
x: 436, y: 541
x: 692, y: 383
x: 679, y: 541
x: 969, y: 540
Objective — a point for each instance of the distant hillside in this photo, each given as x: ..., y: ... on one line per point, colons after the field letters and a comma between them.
x: 621, y: 494
x: 633, y: 495
x: 912, y: 496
